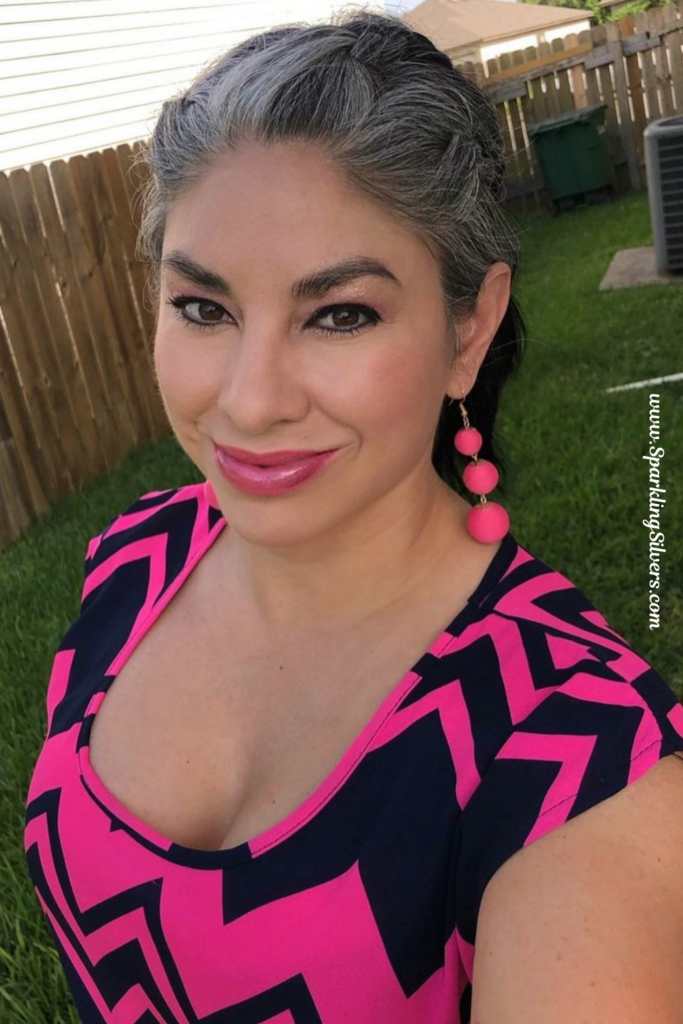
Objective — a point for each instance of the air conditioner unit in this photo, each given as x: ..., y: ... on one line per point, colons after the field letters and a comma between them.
x: 664, y: 169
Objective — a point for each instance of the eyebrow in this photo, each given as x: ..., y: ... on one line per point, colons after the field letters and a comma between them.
x: 313, y: 286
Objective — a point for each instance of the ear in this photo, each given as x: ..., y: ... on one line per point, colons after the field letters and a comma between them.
x: 478, y: 331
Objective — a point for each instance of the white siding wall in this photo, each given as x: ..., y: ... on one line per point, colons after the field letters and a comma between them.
x: 82, y: 75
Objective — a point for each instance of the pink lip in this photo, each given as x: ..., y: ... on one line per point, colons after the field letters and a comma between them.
x: 268, y: 458
x: 274, y: 479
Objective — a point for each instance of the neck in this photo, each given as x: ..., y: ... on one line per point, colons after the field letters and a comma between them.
x: 355, y: 571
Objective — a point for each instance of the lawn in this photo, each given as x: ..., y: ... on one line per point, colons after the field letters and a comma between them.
x: 577, y: 494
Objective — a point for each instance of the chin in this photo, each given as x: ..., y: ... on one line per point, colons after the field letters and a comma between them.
x: 275, y: 525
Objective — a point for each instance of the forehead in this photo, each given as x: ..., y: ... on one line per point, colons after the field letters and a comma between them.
x: 260, y: 187
x: 286, y: 208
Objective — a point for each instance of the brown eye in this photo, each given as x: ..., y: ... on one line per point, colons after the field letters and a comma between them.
x: 214, y: 310
x: 209, y: 315
x: 341, y: 314
x: 341, y: 318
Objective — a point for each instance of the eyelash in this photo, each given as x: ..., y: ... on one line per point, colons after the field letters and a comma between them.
x: 179, y: 302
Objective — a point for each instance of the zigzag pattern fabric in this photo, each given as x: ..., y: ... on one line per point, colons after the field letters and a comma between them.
x: 361, y: 906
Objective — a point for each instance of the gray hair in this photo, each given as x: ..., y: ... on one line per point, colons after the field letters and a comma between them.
x: 406, y: 128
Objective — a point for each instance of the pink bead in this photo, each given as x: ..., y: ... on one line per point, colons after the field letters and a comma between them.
x: 488, y: 523
x: 480, y: 477
x: 468, y: 440
x: 210, y: 494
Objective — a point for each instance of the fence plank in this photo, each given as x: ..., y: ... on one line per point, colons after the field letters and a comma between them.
x: 661, y: 64
x: 88, y: 278
x: 637, y: 105
x: 72, y: 415
x: 536, y: 102
x: 115, y: 332
x: 9, y: 527
x: 509, y: 148
x: 128, y: 329
x: 117, y: 165
x: 24, y: 491
x: 91, y: 384
x: 19, y: 301
x: 649, y: 78
x: 607, y: 87
x: 125, y: 194
x: 14, y: 516
x: 552, y: 101
x: 523, y: 163
x: 523, y: 168
x: 626, y: 122
x: 576, y: 73
x: 674, y: 44
x: 564, y: 92
x: 592, y: 86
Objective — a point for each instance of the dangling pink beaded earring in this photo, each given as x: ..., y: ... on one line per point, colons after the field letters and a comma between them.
x: 488, y: 521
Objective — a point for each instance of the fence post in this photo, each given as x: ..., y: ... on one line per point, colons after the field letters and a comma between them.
x: 614, y: 35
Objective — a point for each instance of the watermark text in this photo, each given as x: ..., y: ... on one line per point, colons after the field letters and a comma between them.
x: 656, y: 538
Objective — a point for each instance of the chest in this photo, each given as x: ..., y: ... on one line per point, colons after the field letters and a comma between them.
x: 212, y: 733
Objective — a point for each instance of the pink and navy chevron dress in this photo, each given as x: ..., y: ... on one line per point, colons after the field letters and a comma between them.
x: 361, y: 906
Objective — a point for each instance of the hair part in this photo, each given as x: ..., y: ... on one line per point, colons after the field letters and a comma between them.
x: 406, y: 128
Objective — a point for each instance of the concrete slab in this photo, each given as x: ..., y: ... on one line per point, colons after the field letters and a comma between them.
x: 632, y: 267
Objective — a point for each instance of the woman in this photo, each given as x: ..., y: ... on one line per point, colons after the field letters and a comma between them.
x: 312, y: 721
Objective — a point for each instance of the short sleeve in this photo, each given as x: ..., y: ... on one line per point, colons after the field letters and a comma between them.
x: 585, y: 741
x: 96, y: 551
x: 90, y: 558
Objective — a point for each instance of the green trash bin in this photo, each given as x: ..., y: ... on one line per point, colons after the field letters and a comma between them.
x: 573, y: 154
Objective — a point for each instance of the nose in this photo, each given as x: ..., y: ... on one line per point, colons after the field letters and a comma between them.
x: 263, y: 381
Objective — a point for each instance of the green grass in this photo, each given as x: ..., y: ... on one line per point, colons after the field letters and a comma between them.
x: 577, y: 495
x: 578, y: 488
x: 41, y: 577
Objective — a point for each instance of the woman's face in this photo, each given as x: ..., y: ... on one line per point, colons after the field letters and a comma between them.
x: 266, y: 375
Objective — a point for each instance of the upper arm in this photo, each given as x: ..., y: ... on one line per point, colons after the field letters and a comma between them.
x: 142, y: 508
x: 585, y: 925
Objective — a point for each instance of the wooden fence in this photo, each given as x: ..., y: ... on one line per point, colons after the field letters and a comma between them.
x: 634, y: 65
x: 77, y: 385
x: 77, y: 388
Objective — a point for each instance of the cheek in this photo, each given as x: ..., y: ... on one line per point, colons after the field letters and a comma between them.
x: 394, y: 406
x: 186, y: 383
x: 400, y: 390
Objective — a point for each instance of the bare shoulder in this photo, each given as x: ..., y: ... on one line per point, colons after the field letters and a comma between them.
x: 586, y: 922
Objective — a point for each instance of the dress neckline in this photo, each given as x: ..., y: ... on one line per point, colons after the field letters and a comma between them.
x: 276, y: 834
